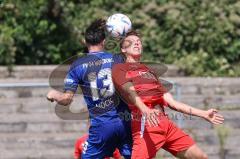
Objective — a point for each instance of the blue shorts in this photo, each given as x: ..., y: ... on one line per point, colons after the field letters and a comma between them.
x: 106, y: 137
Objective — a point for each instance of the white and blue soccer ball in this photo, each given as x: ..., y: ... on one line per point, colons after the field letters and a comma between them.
x: 118, y: 25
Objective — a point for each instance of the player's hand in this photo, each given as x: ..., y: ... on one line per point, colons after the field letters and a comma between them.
x: 51, y: 95
x: 213, y: 116
x: 151, y: 116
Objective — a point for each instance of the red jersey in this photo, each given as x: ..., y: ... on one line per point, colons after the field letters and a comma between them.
x: 166, y: 135
x: 79, y: 145
x: 146, y: 84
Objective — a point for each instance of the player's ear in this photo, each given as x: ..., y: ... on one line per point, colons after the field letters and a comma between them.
x: 123, y: 50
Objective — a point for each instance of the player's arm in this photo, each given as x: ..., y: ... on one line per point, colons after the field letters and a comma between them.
x: 210, y: 115
x: 61, y: 98
x: 126, y: 89
x: 70, y: 87
x: 130, y: 92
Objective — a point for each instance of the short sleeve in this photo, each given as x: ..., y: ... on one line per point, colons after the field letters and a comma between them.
x: 119, y: 75
x: 71, y: 81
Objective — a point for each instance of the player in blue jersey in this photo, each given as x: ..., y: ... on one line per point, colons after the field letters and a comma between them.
x: 93, y: 74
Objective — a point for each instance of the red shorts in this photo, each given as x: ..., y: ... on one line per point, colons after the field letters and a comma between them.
x: 167, y: 136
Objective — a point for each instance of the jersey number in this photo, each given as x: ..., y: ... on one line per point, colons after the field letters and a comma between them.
x: 107, y: 90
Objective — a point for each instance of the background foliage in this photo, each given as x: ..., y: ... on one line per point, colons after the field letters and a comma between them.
x: 201, y: 37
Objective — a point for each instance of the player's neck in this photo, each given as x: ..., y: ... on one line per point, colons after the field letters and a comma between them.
x: 95, y: 48
x: 132, y: 59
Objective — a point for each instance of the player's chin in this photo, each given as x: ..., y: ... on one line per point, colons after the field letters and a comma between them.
x: 136, y: 53
x: 136, y: 56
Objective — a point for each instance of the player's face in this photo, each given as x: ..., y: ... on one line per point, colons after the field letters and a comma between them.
x: 132, y: 45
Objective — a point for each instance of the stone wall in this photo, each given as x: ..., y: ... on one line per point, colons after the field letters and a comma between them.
x: 29, y: 127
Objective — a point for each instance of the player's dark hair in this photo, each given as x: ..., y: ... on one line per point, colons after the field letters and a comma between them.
x: 131, y: 32
x: 95, y: 33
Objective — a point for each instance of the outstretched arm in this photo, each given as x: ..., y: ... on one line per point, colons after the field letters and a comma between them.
x: 210, y: 115
x: 61, y: 98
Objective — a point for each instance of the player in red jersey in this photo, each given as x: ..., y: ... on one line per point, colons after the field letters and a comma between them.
x: 142, y: 90
x: 79, y: 148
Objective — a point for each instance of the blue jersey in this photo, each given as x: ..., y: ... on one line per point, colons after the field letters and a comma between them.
x: 93, y: 74
x: 107, y: 130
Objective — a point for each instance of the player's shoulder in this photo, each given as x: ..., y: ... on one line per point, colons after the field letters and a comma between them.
x: 118, y: 58
x: 120, y: 66
x: 79, y: 61
x: 84, y: 61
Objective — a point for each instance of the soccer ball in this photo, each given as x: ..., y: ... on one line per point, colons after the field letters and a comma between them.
x: 118, y: 25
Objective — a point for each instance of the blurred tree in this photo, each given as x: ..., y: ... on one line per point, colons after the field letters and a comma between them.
x: 201, y: 37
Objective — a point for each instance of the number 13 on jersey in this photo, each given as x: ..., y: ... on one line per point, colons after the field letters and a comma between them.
x: 106, y: 89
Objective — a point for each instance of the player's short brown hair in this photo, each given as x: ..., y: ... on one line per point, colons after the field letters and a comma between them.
x: 132, y: 32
